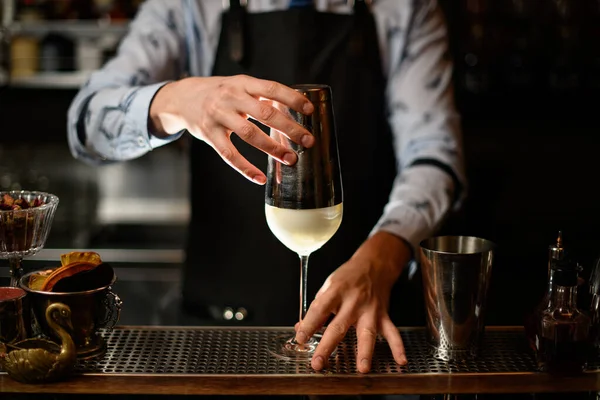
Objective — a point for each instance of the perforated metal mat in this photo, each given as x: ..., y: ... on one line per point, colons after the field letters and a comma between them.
x: 246, y: 351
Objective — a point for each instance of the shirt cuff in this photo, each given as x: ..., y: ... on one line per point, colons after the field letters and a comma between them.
x: 406, y: 223
x: 138, y: 114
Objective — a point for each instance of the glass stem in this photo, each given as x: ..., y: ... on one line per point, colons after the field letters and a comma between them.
x: 303, y: 286
x: 15, y: 271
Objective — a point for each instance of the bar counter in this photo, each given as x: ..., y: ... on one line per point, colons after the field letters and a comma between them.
x: 209, y: 360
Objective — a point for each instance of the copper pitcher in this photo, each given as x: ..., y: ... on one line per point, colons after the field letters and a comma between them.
x: 91, y: 310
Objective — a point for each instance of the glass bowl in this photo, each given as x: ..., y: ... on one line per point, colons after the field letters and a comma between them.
x: 24, y: 228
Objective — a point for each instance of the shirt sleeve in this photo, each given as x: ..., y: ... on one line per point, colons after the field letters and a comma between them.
x: 426, y: 127
x: 108, y: 119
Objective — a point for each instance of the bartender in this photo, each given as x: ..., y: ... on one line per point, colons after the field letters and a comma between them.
x: 205, y: 69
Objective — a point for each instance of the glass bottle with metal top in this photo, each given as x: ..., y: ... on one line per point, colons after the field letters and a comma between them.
x: 556, y: 252
x: 562, y: 341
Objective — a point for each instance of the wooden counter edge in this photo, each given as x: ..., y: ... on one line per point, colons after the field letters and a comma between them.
x: 314, y: 384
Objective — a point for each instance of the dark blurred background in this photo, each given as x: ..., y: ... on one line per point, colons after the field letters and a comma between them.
x: 527, y: 75
x: 527, y: 78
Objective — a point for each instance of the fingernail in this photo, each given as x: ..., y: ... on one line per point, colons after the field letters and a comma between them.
x: 261, y: 180
x: 307, y: 108
x: 301, y: 337
x: 319, y: 362
x: 364, y: 363
x: 403, y: 360
x: 289, y: 158
x: 307, y: 140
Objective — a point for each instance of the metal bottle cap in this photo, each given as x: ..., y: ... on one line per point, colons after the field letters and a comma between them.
x: 557, y: 251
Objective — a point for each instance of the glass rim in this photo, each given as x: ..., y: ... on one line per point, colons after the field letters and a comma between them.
x: 52, y: 199
x: 25, y: 287
x: 21, y: 293
x: 310, y: 86
x: 486, y: 245
x: 316, y: 92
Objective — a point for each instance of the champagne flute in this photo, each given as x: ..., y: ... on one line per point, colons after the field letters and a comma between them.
x: 303, y: 202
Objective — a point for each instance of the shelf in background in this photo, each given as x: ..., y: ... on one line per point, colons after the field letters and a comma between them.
x: 100, y: 35
x: 141, y: 210
x: 129, y: 256
x: 80, y: 29
x: 51, y: 80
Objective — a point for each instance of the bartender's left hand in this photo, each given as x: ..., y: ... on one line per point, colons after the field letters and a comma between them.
x: 358, y: 293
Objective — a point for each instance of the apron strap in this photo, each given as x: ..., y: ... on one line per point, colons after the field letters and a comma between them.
x: 237, y: 16
x: 301, y: 3
x: 360, y: 6
x: 355, y: 31
x: 362, y: 20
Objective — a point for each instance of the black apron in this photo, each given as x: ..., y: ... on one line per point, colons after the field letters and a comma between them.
x: 233, y: 259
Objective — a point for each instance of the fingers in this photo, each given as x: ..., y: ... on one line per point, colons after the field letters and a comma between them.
x: 227, y: 107
x: 317, y: 314
x: 276, y: 91
x: 231, y: 156
x: 269, y: 115
x: 391, y: 334
x: 366, y: 335
x: 253, y: 135
x: 334, y: 334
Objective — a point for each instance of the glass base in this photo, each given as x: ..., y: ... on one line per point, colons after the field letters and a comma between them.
x: 286, y: 348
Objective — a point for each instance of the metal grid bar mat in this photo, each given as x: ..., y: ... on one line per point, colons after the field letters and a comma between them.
x: 246, y: 352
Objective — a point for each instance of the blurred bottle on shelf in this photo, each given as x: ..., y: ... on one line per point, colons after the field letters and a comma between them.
x: 57, y: 53
x: 108, y: 10
x: 88, y: 54
x: 30, y: 10
x: 24, y: 49
x: 4, y: 56
x: 113, y: 10
x: 24, y: 56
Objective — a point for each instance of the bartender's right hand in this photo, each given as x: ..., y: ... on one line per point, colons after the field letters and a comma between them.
x: 212, y: 108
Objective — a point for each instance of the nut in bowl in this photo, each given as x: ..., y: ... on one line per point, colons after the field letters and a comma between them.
x: 83, y: 283
x: 25, y: 221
